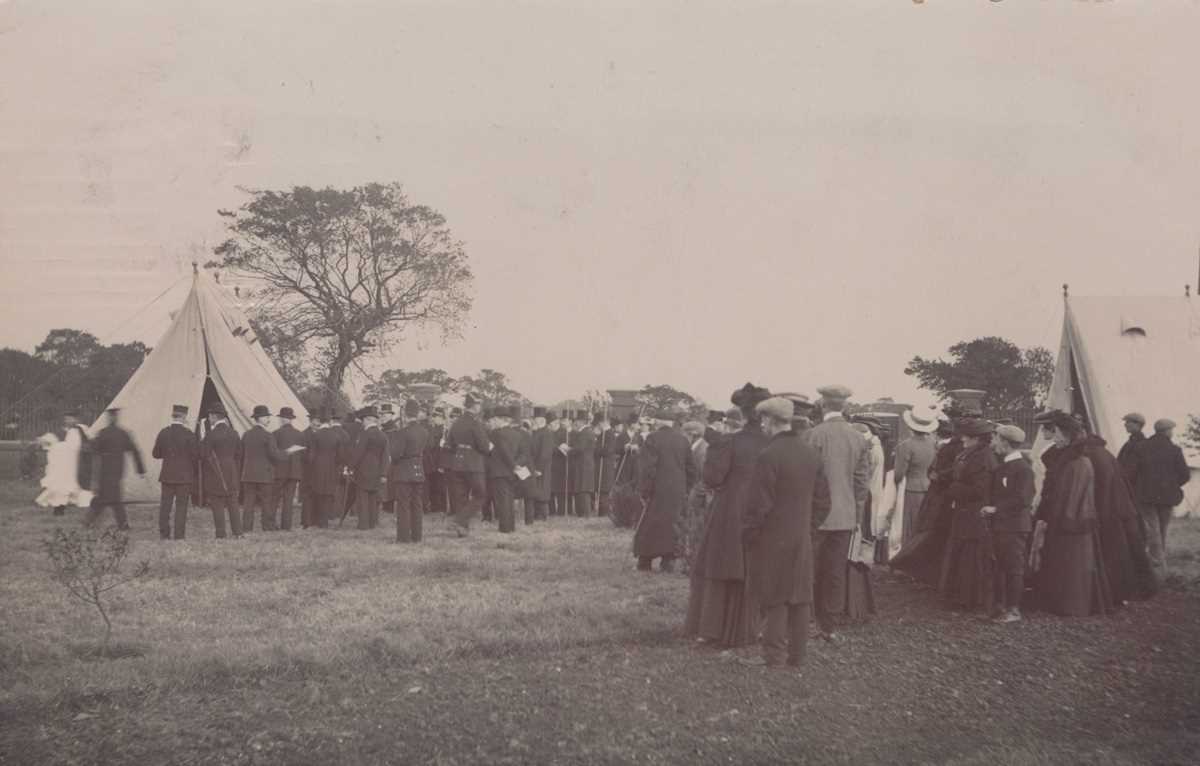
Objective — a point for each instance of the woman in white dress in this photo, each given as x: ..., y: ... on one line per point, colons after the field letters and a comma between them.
x: 60, y: 485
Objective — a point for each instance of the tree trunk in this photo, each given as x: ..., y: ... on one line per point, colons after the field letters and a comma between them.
x: 335, y: 378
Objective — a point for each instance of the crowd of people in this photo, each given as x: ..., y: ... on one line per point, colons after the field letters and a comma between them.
x: 776, y: 508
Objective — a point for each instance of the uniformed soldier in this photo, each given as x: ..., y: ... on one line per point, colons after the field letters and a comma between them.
x: 110, y: 447
x: 369, y: 465
x: 259, y: 459
x: 179, y: 450
x: 289, y: 472
x: 502, y: 466
x: 220, y: 454
x: 468, y: 445
x: 407, y: 474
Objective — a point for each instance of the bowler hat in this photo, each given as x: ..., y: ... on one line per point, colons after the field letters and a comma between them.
x: 287, y: 412
x: 260, y: 411
x: 368, y: 412
x: 217, y: 409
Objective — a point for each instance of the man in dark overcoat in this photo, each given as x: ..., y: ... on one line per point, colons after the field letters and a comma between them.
x: 110, y: 447
x: 582, y: 454
x: 560, y: 467
x: 406, y: 476
x: 1161, y: 473
x: 541, y: 455
x: 435, y: 477
x: 524, y: 488
x: 788, y: 500
x: 606, y: 460
x: 353, y: 427
x: 468, y: 446
x: 1128, y: 457
x: 220, y: 456
x: 369, y: 466
x: 288, y: 473
x: 179, y: 450
x: 260, y: 456
x: 328, y: 452
x: 306, y: 500
x: 668, y: 472
x: 501, y: 467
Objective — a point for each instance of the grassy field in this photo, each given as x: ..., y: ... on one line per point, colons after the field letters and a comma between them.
x: 547, y: 647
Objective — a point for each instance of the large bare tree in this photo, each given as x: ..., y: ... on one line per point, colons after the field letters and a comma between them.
x: 346, y: 272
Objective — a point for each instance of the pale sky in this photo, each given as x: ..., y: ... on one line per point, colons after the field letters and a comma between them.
x: 679, y: 193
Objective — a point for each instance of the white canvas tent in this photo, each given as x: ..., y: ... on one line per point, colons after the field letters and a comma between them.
x: 1131, y: 354
x: 209, y: 340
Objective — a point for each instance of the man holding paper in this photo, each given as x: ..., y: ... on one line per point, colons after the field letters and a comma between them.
x: 502, y: 468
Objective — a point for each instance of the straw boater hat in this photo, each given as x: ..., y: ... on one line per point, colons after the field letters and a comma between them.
x: 923, y: 420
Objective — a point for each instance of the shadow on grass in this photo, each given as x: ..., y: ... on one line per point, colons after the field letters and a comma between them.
x: 115, y: 650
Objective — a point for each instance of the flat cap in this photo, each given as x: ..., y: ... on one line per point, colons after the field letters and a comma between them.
x: 1163, y: 424
x: 835, y: 392
x: 1011, y: 433
x: 776, y: 408
x: 1135, y: 417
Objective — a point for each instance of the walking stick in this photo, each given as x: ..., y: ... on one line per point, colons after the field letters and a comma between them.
x: 621, y: 466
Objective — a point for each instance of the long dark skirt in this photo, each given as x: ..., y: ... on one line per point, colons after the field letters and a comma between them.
x: 968, y: 574
x: 924, y: 554
x: 860, y: 598
x: 721, y: 611
x: 1072, y: 581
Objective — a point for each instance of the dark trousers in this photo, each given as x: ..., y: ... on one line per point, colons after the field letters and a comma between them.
x: 831, y: 550
x: 350, y: 498
x: 503, y: 501
x: 410, y: 509
x: 583, y: 504
x: 322, y: 510
x: 285, y: 495
x: 1156, y: 519
x: 562, y: 505
x: 306, y: 508
x: 257, y: 495
x: 605, y: 503
x: 541, y: 509
x: 173, y: 496
x: 785, y: 636
x: 222, y: 507
x: 1009, y: 549
x: 97, y: 508
x: 466, y: 497
x: 368, y: 509
x: 435, y: 485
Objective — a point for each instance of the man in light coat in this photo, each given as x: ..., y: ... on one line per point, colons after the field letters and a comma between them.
x: 844, y: 462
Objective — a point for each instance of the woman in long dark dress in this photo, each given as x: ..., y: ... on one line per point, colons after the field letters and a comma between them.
x: 967, y: 570
x: 1070, y: 578
x: 720, y: 611
x: 923, y: 554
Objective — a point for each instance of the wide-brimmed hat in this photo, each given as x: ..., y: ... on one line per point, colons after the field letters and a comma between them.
x: 923, y: 420
x: 749, y: 395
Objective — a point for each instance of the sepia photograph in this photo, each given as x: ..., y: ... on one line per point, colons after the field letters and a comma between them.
x: 449, y: 382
